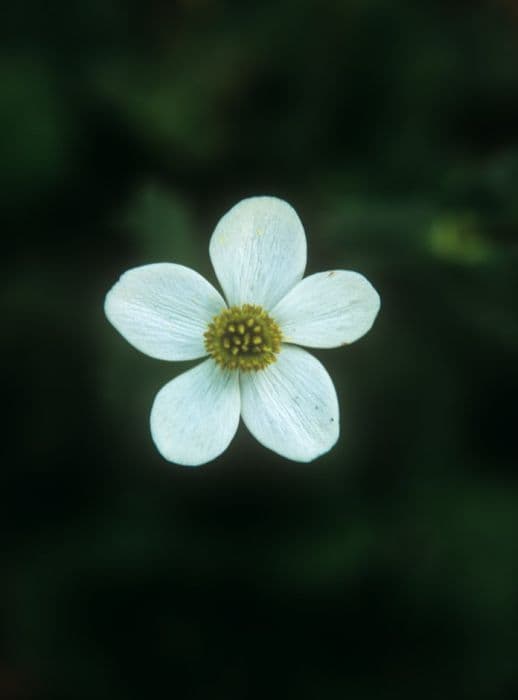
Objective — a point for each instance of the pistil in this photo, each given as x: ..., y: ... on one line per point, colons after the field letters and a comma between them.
x: 243, y: 337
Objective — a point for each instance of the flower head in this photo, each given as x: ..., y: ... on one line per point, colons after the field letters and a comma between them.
x: 254, y: 367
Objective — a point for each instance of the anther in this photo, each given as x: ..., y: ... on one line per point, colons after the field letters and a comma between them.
x: 243, y: 337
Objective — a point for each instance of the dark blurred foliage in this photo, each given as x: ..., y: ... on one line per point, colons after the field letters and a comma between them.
x: 387, y: 568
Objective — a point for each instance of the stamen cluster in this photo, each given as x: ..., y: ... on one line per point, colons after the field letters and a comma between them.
x: 243, y: 337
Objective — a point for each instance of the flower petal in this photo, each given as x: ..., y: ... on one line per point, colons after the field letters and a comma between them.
x: 195, y: 416
x: 291, y: 406
x: 258, y: 250
x: 327, y: 309
x: 163, y: 310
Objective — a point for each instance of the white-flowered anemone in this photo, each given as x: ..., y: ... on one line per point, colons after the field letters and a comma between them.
x: 254, y: 367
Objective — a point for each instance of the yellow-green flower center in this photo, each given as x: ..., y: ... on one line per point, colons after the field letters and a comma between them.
x: 243, y: 337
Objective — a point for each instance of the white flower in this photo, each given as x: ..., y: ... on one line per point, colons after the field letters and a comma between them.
x: 254, y: 367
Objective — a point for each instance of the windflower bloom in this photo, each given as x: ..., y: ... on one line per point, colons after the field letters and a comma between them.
x: 254, y: 367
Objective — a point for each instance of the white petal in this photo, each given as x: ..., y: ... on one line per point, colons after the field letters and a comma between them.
x: 258, y: 250
x: 195, y: 416
x: 327, y: 309
x: 163, y: 310
x: 291, y: 406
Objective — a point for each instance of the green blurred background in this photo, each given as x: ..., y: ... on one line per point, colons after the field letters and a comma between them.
x: 385, y: 569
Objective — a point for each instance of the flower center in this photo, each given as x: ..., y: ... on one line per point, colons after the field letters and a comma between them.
x: 243, y: 337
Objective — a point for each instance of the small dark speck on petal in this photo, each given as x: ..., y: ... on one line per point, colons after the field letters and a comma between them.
x: 332, y: 273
